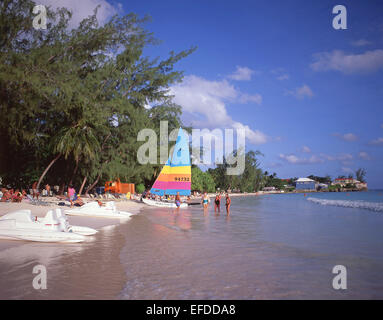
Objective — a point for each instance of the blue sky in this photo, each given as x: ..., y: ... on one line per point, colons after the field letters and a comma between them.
x: 308, y: 95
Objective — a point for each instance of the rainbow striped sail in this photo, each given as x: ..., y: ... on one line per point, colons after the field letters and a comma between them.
x: 176, y: 174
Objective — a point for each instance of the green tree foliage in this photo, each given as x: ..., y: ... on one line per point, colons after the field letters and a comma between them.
x: 326, y: 179
x: 73, y: 101
x: 202, y: 181
x: 252, y: 179
x: 140, y: 188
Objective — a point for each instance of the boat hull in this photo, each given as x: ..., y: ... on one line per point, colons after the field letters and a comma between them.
x: 163, y: 204
x: 94, y: 210
x: 37, y: 236
x: 119, y: 215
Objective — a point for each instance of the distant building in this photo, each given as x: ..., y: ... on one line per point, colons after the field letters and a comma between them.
x: 323, y: 186
x: 305, y: 184
x: 344, y: 181
x: 269, y: 189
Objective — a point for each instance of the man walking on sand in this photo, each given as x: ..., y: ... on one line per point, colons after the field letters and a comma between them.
x: 35, y: 192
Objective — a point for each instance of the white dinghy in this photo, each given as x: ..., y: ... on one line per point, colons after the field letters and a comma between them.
x: 66, y: 227
x: 93, y: 209
x: 163, y: 204
x: 20, y: 225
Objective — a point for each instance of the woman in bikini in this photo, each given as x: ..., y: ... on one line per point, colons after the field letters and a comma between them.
x: 228, y: 203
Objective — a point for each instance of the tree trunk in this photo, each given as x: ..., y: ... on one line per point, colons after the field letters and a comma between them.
x: 82, y: 186
x: 62, y: 187
x: 74, y: 173
x: 47, y: 169
x: 92, y: 185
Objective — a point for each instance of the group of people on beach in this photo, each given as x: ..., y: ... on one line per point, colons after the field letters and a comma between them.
x: 217, y: 202
x: 12, y: 195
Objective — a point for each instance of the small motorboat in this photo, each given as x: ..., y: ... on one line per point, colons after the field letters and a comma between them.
x: 163, y: 204
x: 65, y: 226
x: 93, y: 209
x: 21, y: 225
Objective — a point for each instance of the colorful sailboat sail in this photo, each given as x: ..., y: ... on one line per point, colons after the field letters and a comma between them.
x: 175, y: 176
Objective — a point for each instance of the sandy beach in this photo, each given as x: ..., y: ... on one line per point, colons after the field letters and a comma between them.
x: 66, y: 263
x: 51, y: 203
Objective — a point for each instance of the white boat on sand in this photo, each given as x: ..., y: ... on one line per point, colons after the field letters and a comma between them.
x: 163, y: 204
x: 86, y: 231
x: 93, y: 209
x: 21, y: 225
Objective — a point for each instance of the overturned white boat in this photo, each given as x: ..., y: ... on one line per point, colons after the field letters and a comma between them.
x: 93, y: 209
x: 163, y: 204
x: 21, y: 225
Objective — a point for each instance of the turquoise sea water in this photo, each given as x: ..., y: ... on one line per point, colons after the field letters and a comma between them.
x: 272, y: 246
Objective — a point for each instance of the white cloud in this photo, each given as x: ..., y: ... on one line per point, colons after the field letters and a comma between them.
x: 377, y: 141
x: 242, y: 74
x: 204, y: 102
x: 347, y: 170
x: 344, y: 158
x: 272, y: 165
x: 339, y: 157
x: 256, y: 137
x: 360, y: 43
x: 306, y: 149
x: 83, y: 8
x: 346, y: 137
x: 364, y: 155
x: 292, y: 158
x: 281, y: 74
x: 301, y: 92
x: 284, y: 76
x: 368, y: 61
x: 245, y: 98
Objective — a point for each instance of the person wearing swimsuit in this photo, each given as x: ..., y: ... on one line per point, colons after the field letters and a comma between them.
x: 205, y: 200
x: 217, y: 203
x: 178, y: 200
x: 228, y: 203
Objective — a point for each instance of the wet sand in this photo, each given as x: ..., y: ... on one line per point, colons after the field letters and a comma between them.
x: 270, y: 247
x: 89, y: 270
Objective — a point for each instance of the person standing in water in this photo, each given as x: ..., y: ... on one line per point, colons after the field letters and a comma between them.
x: 205, y: 201
x: 178, y: 200
x: 228, y: 203
x: 217, y: 202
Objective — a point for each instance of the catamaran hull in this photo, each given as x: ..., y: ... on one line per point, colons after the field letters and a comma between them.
x: 21, y: 225
x: 41, y: 236
x: 85, y: 231
x: 163, y: 204
x: 119, y: 215
x: 92, y: 209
